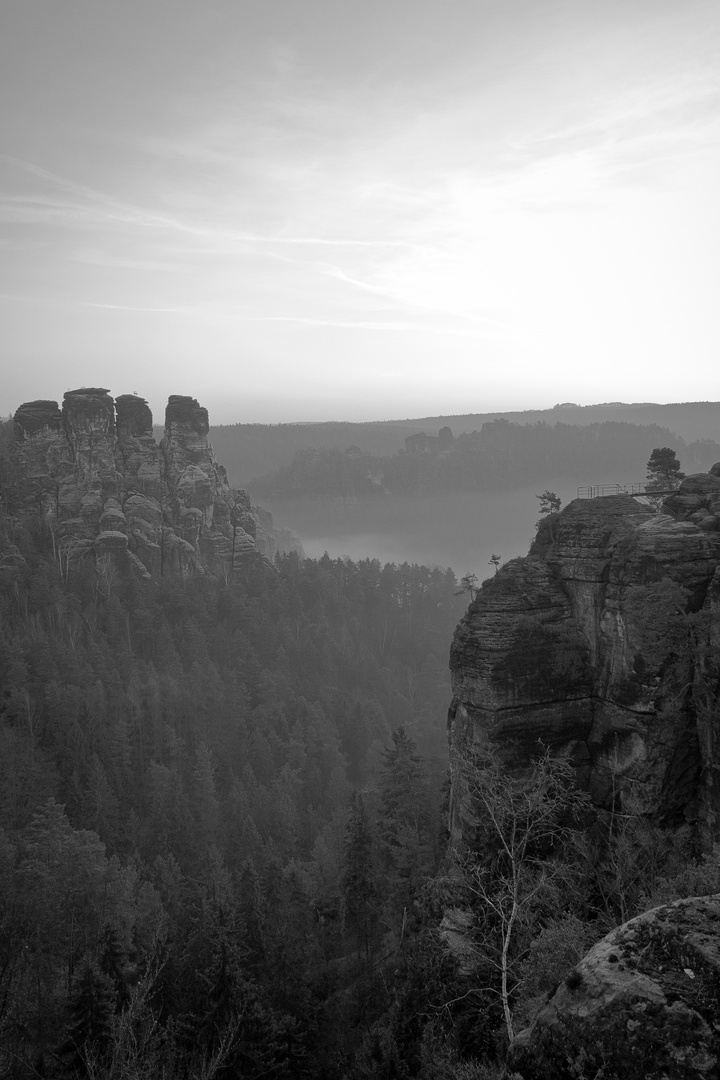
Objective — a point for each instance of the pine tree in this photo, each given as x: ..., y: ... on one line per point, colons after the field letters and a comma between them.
x: 663, y: 469
x: 205, y: 799
x: 91, y: 1010
x: 359, y: 877
x: 250, y: 907
x: 406, y: 824
x: 114, y: 958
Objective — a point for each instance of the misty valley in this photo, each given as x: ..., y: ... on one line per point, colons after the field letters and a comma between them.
x: 359, y: 540
x: 252, y: 824
x: 454, y: 530
x: 453, y: 503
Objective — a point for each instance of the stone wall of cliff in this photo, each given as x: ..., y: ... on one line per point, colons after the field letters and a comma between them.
x: 94, y: 471
x: 602, y: 644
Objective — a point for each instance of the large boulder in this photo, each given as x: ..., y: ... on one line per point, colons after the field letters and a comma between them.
x: 643, y: 1004
x: 700, y: 484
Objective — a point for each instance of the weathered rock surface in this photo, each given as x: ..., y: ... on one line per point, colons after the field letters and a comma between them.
x: 643, y: 1004
x: 698, y: 500
x: 601, y: 644
x: 271, y: 538
x: 95, y: 471
x: 38, y: 418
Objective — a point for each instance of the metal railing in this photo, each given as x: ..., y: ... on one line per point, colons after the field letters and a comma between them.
x: 598, y: 491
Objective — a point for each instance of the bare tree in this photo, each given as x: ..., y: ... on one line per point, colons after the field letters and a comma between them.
x: 516, y: 868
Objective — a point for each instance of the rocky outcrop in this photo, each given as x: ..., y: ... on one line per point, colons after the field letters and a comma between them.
x: 87, y: 476
x: 644, y: 1002
x: 213, y: 518
x: 698, y: 500
x: 94, y: 471
x: 39, y: 430
x: 38, y: 420
x: 601, y: 644
x: 272, y: 539
x: 137, y: 455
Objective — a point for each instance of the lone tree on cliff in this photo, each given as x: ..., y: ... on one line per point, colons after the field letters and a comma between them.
x: 663, y: 470
x: 468, y: 584
x: 550, y: 503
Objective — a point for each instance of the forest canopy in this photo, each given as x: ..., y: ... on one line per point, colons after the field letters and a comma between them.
x: 186, y: 771
x: 500, y: 456
x: 223, y: 839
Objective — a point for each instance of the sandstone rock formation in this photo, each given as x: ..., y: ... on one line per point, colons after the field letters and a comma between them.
x: 95, y: 472
x: 698, y: 500
x: 644, y: 1002
x: 271, y: 538
x: 602, y: 645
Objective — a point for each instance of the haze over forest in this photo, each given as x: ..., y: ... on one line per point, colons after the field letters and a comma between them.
x: 354, y: 489
x: 317, y: 212
x: 223, y: 779
x: 306, y: 772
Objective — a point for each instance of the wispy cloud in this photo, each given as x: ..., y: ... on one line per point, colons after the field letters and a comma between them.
x: 642, y: 134
x: 137, y: 307
x: 98, y: 206
x: 508, y: 201
x: 385, y: 326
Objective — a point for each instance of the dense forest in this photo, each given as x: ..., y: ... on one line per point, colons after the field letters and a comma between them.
x: 223, y: 830
x: 181, y: 770
x: 252, y: 450
x: 500, y: 456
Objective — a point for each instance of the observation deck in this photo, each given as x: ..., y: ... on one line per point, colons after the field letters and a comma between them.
x: 598, y: 491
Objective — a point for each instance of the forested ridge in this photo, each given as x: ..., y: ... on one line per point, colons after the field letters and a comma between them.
x: 223, y: 838
x: 498, y: 457
x: 251, y: 450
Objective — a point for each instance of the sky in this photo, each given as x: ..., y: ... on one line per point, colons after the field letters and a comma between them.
x: 300, y: 210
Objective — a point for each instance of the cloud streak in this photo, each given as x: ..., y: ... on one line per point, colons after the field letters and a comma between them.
x: 529, y: 191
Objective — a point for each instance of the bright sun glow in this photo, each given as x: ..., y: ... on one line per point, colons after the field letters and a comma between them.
x: 353, y: 224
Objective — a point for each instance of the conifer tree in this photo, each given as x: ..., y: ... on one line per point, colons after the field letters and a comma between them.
x: 663, y: 469
x: 91, y: 1010
x: 406, y: 823
x: 360, y: 890
x: 250, y: 907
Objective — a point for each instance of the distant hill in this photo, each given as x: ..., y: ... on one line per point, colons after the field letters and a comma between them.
x: 501, y: 456
x: 252, y: 450
x: 691, y: 420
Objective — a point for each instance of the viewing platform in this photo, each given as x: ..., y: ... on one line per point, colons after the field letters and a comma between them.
x: 598, y: 491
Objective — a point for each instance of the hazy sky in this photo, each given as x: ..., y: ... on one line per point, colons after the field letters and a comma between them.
x: 355, y: 209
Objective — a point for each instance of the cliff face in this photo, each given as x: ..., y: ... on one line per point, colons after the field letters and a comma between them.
x: 601, y: 644
x: 94, y: 469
